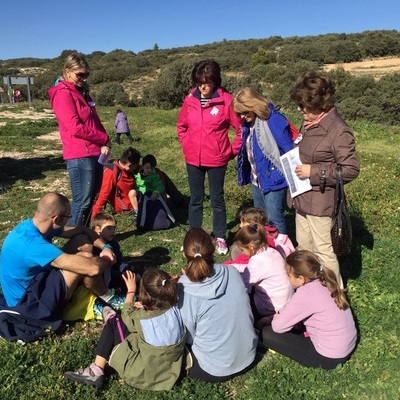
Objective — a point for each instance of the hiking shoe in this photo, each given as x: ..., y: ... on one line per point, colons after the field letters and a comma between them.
x: 108, y: 313
x: 91, y: 375
x: 98, y: 308
x: 222, y: 247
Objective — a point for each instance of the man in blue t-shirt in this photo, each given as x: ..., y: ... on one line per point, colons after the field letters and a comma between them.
x: 28, y: 253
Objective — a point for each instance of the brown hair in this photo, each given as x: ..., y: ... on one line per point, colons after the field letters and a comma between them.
x: 158, y: 289
x: 251, y: 235
x: 198, y: 248
x: 75, y: 61
x: 100, y: 219
x: 130, y: 155
x: 248, y: 99
x: 253, y: 215
x: 307, y: 264
x: 314, y: 91
x: 207, y: 71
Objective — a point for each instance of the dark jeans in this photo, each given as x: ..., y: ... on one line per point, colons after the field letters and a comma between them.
x: 299, y: 348
x: 85, y: 176
x: 113, y: 333
x: 216, y: 179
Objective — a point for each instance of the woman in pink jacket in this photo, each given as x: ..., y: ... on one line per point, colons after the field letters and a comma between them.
x: 203, y: 125
x: 82, y: 134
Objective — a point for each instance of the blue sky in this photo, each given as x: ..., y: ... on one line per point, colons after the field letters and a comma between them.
x: 44, y: 28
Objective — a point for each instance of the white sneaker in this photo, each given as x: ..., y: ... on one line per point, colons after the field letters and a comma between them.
x: 221, y: 246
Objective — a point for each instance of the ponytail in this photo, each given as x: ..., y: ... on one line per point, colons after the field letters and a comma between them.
x: 307, y: 264
x: 198, y: 248
x: 158, y: 289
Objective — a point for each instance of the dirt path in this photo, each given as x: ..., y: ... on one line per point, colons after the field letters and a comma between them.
x: 375, y: 67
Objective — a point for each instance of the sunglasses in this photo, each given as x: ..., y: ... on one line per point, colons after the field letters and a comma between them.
x: 301, y: 106
x: 82, y: 75
x: 64, y: 216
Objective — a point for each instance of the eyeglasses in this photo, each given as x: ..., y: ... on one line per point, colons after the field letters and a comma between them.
x: 82, y: 75
x: 204, y: 83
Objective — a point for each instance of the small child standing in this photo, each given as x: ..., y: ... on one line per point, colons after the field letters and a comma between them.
x: 264, y: 275
x: 321, y: 305
x: 121, y: 127
x: 146, y: 347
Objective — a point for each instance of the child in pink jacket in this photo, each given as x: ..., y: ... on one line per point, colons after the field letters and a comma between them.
x: 320, y: 305
x: 265, y: 275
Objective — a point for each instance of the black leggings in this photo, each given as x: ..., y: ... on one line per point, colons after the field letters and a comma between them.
x: 113, y: 333
x: 197, y: 372
x: 299, y: 348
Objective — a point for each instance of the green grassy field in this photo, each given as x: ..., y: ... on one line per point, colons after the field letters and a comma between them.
x: 30, y: 160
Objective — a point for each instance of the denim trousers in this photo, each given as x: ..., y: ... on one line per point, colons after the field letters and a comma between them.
x: 85, y: 176
x: 216, y: 179
x: 273, y: 203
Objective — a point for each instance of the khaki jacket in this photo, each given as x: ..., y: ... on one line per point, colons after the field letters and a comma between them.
x: 325, y: 145
x: 142, y: 365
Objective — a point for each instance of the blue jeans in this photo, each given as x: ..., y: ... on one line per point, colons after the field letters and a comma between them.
x: 216, y: 179
x: 273, y: 203
x: 85, y: 176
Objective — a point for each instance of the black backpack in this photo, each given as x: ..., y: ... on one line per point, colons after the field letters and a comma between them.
x: 154, y: 215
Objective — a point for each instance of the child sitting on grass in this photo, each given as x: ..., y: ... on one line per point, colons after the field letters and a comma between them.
x: 253, y: 216
x: 264, y: 276
x: 147, y: 182
x: 105, y: 225
x: 146, y: 347
x: 321, y: 305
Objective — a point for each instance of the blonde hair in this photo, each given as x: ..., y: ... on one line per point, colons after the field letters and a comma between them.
x: 248, y: 99
x: 305, y: 263
x: 75, y: 61
x: 198, y: 248
x: 100, y: 219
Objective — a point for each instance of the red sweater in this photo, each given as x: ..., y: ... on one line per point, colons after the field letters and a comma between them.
x: 114, y: 190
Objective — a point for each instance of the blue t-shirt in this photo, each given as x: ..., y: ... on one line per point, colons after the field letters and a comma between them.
x: 24, y: 254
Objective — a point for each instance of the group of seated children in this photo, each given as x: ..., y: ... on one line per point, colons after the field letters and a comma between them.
x: 294, y: 302
x: 125, y: 178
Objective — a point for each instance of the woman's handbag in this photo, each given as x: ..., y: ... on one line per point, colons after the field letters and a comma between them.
x: 341, y: 232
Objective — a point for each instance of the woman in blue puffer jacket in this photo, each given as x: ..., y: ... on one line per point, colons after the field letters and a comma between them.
x: 265, y: 137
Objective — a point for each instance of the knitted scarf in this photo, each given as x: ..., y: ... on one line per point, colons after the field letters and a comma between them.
x: 267, y: 143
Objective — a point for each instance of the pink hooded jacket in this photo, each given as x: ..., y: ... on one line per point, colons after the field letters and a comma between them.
x: 203, y: 132
x: 82, y: 134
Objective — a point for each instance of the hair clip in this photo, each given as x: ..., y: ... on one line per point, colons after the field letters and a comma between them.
x: 321, y: 267
x: 197, y: 255
x: 163, y: 282
x: 254, y: 227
